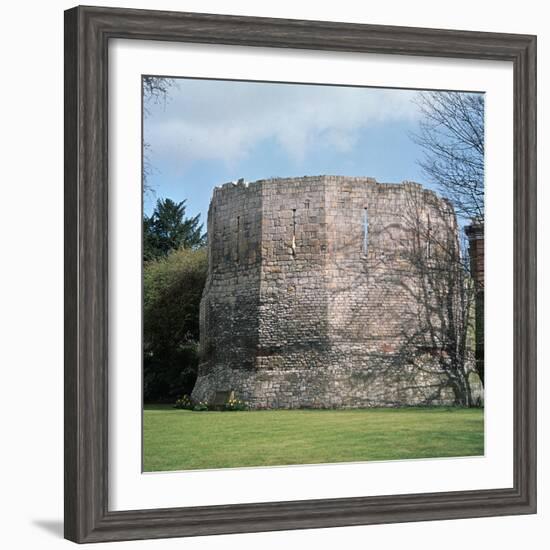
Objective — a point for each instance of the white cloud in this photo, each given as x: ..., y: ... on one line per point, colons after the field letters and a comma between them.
x: 214, y: 120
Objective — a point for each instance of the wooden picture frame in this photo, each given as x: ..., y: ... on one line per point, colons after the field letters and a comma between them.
x: 87, y: 34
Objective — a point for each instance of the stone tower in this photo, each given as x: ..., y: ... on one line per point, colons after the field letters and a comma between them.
x: 314, y: 295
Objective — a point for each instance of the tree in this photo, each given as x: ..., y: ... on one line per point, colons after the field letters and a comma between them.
x: 452, y: 136
x: 155, y: 91
x: 168, y: 229
x: 155, y: 88
x: 172, y: 290
x: 438, y: 338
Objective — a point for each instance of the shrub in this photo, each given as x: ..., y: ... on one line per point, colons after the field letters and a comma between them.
x: 235, y: 405
x: 183, y: 402
x: 172, y: 290
x: 200, y: 406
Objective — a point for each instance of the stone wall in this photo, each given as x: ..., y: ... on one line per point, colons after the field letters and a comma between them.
x: 313, y: 294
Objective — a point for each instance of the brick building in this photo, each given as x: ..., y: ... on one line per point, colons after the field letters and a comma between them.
x: 476, y: 237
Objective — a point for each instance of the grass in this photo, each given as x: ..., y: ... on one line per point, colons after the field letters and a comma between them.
x: 176, y: 439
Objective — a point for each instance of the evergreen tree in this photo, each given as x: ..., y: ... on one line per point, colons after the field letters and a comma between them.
x: 168, y: 229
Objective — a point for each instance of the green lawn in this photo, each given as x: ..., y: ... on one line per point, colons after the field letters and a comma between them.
x: 184, y: 440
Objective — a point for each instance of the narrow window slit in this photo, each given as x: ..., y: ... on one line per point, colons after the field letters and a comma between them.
x: 293, y: 246
x: 238, y: 232
x: 429, y: 239
x: 365, y: 231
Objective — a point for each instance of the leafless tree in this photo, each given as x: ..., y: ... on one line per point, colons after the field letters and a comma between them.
x: 155, y: 91
x: 438, y: 330
x: 451, y: 133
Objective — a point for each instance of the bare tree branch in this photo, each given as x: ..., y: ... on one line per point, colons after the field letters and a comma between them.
x: 452, y: 136
x: 155, y: 91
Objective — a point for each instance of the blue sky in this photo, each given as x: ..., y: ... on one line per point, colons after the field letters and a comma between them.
x: 209, y: 132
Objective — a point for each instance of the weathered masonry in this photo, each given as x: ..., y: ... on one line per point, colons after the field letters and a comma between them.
x: 316, y: 297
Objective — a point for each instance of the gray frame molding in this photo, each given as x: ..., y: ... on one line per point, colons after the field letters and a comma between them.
x: 87, y: 34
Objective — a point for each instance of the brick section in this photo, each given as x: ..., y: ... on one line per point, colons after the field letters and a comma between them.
x: 301, y: 308
x: 476, y: 238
